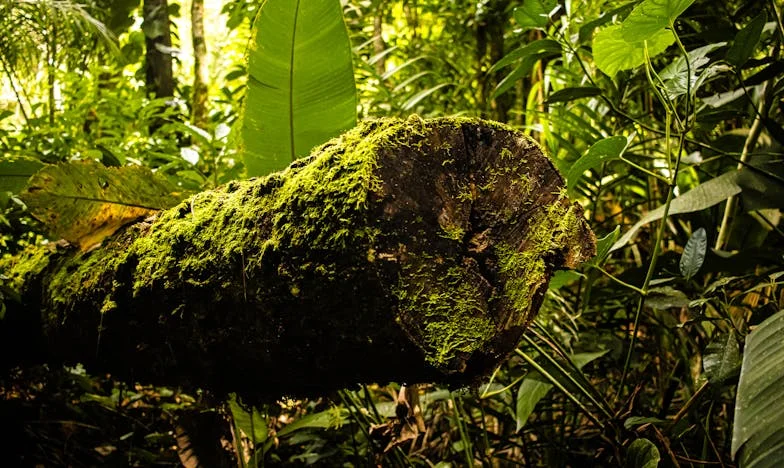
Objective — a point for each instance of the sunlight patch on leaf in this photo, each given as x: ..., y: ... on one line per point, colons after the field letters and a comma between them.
x: 85, y: 202
x: 613, y: 53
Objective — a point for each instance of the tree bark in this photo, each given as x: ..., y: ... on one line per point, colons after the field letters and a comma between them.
x: 200, y: 70
x: 403, y: 250
x: 378, y: 38
x: 158, y: 59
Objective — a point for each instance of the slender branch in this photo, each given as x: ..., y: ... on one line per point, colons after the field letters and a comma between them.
x: 748, y: 147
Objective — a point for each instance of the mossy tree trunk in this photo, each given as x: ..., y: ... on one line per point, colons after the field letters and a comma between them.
x: 403, y: 250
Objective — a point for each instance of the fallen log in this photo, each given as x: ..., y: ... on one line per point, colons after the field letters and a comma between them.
x: 403, y: 250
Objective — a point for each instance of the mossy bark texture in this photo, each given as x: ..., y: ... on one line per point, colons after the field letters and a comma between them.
x: 414, y: 250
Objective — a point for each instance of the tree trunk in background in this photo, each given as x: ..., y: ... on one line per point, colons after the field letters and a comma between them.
x: 405, y: 250
x: 158, y: 62
x: 200, y: 69
x: 378, y: 39
x: 490, y: 28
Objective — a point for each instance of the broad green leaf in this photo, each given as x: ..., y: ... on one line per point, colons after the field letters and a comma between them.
x: 675, y: 74
x: 694, y: 253
x: 721, y: 99
x: 642, y: 453
x: 252, y: 423
x: 703, y: 196
x: 586, y: 30
x: 613, y: 53
x: 650, y: 17
x: 605, y: 150
x: 721, y: 359
x: 570, y: 94
x: 540, y: 46
x: 331, y: 418
x: 563, y: 277
x: 746, y: 40
x: 533, y: 389
x: 534, y: 13
x: 16, y: 171
x: 665, y: 297
x: 758, y: 429
x: 301, y: 88
x: 85, y: 202
x: 603, y: 246
x: 528, y: 395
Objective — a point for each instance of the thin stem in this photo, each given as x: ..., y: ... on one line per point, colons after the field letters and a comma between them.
x: 748, y: 147
x: 622, y: 283
x: 652, y: 264
x: 647, y: 171
x: 688, y: 75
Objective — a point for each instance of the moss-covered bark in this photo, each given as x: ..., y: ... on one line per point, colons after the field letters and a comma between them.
x: 403, y: 250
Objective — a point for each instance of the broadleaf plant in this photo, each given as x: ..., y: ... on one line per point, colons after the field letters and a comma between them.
x: 301, y: 88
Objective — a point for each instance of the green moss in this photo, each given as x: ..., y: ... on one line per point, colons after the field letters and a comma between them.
x: 452, y: 231
x: 525, y: 270
x: 318, y: 203
x: 16, y: 269
x: 442, y: 310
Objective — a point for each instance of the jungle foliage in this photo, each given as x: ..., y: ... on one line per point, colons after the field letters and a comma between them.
x: 664, y: 116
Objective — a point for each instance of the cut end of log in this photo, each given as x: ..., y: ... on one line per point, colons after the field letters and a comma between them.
x: 476, y: 241
x: 414, y: 250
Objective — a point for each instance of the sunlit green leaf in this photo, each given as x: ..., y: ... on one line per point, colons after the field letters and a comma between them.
x: 675, y: 75
x: 84, y: 202
x: 538, y: 47
x: 331, y: 418
x: 603, y: 246
x: 534, y: 13
x: 758, y: 429
x: 650, y: 17
x: 694, y: 253
x: 528, y: 395
x: 613, y: 53
x: 418, y: 97
x: 16, y: 171
x: 301, y: 82
x: 563, y: 277
x: 587, y: 29
x: 605, y: 150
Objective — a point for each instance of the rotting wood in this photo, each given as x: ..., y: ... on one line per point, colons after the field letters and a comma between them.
x: 412, y: 251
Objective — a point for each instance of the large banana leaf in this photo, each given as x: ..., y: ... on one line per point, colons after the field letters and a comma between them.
x: 758, y: 433
x: 301, y: 88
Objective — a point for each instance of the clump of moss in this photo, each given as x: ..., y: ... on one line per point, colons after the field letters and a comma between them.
x: 442, y: 309
x: 29, y: 262
x: 318, y: 204
x: 550, y: 230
